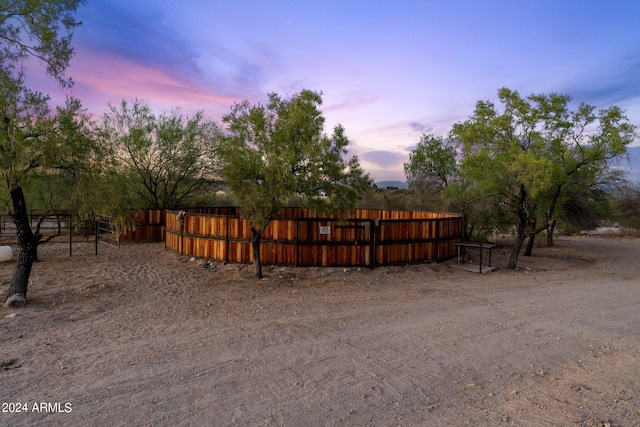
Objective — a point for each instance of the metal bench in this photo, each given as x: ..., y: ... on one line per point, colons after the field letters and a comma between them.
x: 482, y: 249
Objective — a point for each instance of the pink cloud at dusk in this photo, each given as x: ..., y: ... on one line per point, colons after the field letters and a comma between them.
x: 388, y: 71
x: 105, y: 79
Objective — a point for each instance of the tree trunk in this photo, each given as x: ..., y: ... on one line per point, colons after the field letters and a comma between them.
x: 551, y: 221
x: 521, y: 229
x: 532, y: 238
x: 517, y: 246
x: 550, y: 231
x: 28, y: 242
x: 255, y: 243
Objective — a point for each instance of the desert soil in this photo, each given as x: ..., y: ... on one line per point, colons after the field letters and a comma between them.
x: 142, y: 336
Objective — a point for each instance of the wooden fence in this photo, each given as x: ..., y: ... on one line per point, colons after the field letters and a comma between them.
x: 300, y: 237
x: 149, y: 226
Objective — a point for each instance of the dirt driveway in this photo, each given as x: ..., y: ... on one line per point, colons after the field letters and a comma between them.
x: 141, y: 336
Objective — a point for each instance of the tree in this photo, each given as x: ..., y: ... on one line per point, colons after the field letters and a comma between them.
x: 35, y: 143
x: 627, y: 205
x: 29, y: 30
x: 432, y: 164
x: 431, y: 168
x: 162, y: 158
x: 433, y: 172
x: 277, y: 151
x: 584, y: 159
x: 526, y: 156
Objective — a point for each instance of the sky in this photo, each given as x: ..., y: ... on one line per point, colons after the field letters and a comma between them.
x: 389, y: 71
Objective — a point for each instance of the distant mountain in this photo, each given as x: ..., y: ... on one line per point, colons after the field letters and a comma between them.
x: 394, y: 184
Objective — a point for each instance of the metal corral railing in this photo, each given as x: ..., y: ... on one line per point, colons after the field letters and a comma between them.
x: 59, y: 224
x: 60, y: 227
x: 148, y: 226
x: 301, y: 237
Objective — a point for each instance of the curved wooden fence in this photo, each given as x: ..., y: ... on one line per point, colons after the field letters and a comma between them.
x: 149, y: 226
x: 301, y: 237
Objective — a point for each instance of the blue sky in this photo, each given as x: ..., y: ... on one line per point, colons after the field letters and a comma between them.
x: 388, y: 70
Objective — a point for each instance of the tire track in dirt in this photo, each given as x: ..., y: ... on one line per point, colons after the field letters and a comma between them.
x: 156, y: 341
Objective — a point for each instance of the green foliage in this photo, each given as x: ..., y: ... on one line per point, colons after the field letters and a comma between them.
x: 277, y: 151
x: 49, y: 193
x: 527, y: 157
x: 434, y: 173
x: 432, y: 164
x: 208, y: 194
x: 160, y: 160
x: 53, y: 151
x: 481, y: 215
x: 583, y: 213
x: 31, y: 141
x: 627, y: 205
x: 25, y: 131
x: 398, y: 199
x: 40, y: 29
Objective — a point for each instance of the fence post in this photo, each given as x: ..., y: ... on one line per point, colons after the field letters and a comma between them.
x: 97, y: 236
x: 373, y: 250
x: 70, y: 234
x: 437, y: 245
x: 295, y: 255
x: 226, y: 241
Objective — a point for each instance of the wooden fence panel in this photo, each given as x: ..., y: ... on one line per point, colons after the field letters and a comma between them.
x: 368, y: 237
x: 149, y: 226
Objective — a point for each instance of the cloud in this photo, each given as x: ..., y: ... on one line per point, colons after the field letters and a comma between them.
x: 383, y: 158
x: 138, y: 35
x: 100, y: 79
x: 420, y: 127
x: 349, y: 102
x: 146, y: 37
x: 618, y: 82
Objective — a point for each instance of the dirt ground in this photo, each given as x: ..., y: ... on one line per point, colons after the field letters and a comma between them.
x: 142, y: 336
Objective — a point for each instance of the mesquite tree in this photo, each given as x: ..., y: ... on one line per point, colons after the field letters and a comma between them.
x: 29, y: 134
x: 278, y: 151
x: 528, y: 155
x: 163, y: 158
